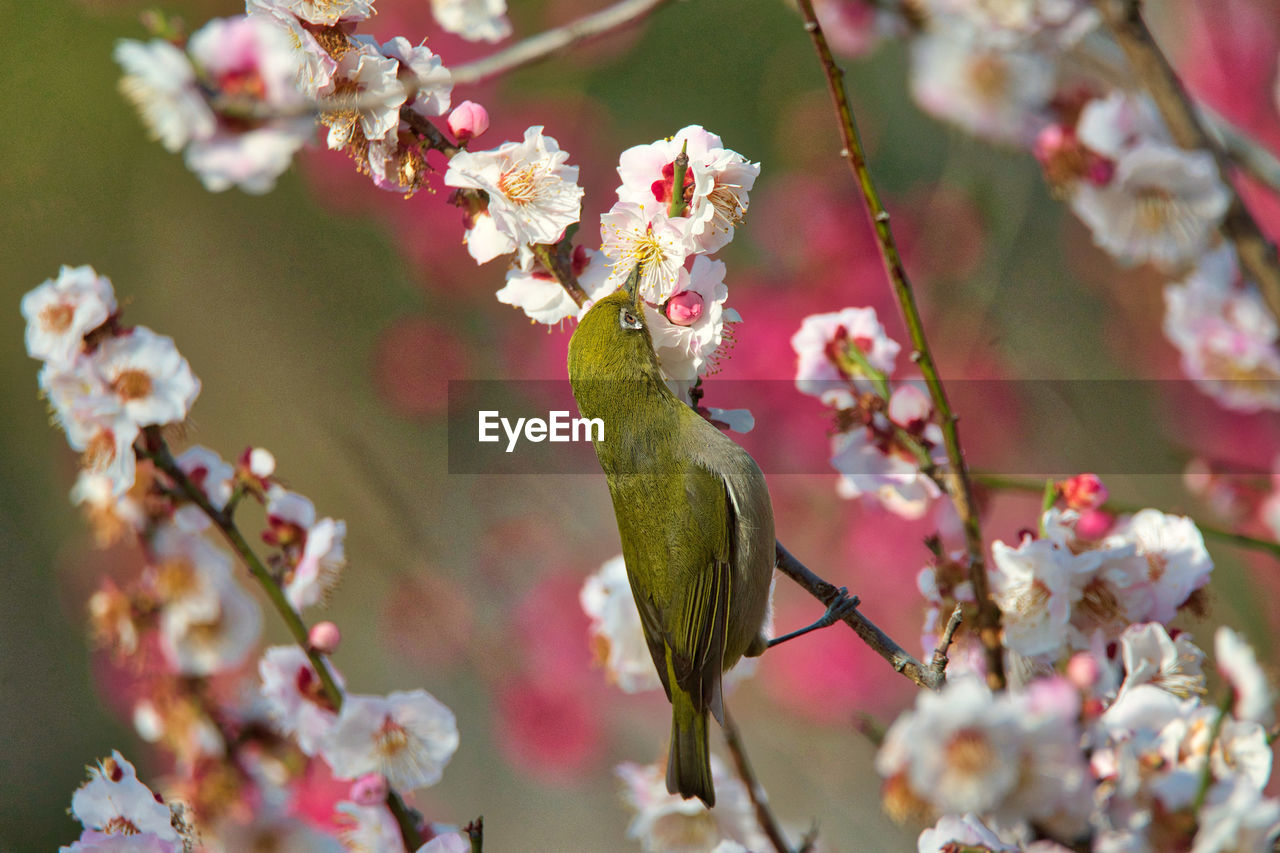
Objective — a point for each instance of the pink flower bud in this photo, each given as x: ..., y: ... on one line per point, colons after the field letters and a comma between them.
x: 1093, y: 524
x: 909, y: 407
x: 1083, y: 671
x: 467, y: 121
x: 1083, y: 491
x: 369, y: 790
x: 1050, y: 142
x: 684, y: 308
x: 324, y: 637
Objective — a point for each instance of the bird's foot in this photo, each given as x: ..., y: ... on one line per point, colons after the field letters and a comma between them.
x: 837, y: 610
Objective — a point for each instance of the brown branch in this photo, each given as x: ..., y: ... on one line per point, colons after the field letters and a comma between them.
x: 1256, y: 255
x: 557, y: 262
x: 931, y: 677
x: 759, y: 798
x: 960, y: 488
x: 545, y: 44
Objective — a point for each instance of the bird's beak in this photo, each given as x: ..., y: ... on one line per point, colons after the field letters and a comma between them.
x: 632, y: 285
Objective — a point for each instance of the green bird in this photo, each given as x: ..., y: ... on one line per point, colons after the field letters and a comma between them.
x: 695, y: 520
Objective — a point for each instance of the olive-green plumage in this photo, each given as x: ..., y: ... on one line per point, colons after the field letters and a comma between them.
x: 695, y: 520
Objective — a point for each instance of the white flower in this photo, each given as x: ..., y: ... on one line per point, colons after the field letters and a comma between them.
x: 423, y: 75
x: 295, y: 696
x: 1118, y: 123
x: 474, y: 20
x: 540, y: 296
x: 408, y: 737
x: 113, y: 801
x: 632, y: 235
x: 1014, y: 756
x: 685, y: 349
x: 867, y: 467
x: 145, y: 842
x: 716, y: 187
x: 146, y: 372
x: 666, y: 823
x: 967, y: 831
x: 823, y: 366
x: 1151, y: 656
x: 208, y: 622
x: 61, y: 311
x: 1051, y: 24
x: 94, y: 419
x: 1176, y: 561
x: 1227, y: 337
x: 1161, y: 206
x: 450, y: 842
x: 484, y: 241
x: 315, y: 67
x: 1032, y: 584
x: 616, y: 634
x: 160, y: 82
x: 319, y: 567
x: 249, y: 58
x: 368, y: 829
x: 209, y: 472
x: 1254, y: 698
x: 533, y: 194
x: 365, y: 92
x: 323, y: 12
x: 1236, y: 819
x: 997, y: 94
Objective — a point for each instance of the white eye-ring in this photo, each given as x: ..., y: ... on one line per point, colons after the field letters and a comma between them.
x: 627, y: 319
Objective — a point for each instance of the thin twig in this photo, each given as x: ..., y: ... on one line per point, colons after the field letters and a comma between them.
x: 545, y: 44
x: 1211, y: 531
x: 1257, y: 256
x: 940, y: 660
x: 475, y: 834
x: 960, y: 488
x: 881, y: 643
x: 759, y: 798
x: 158, y: 452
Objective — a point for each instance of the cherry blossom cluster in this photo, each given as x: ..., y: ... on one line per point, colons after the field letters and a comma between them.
x: 887, y: 434
x: 184, y: 631
x: 244, y: 93
x: 1104, y: 737
x: 1009, y: 73
x: 523, y: 195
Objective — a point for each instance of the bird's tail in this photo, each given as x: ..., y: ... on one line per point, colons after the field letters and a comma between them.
x: 689, y: 764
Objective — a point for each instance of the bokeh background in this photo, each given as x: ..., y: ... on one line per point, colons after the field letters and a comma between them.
x: 326, y: 318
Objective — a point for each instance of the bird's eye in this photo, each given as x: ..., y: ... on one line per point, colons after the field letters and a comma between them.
x: 628, y: 319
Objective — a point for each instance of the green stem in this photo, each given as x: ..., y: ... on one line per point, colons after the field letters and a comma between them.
x: 1001, y: 483
x: 158, y: 452
x: 475, y: 834
x: 1206, y: 773
x: 679, y: 170
x: 960, y: 488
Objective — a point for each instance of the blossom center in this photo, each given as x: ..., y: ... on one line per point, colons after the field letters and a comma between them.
x: 1155, y: 209
x: 100, y: 451
x: 121, y: 826
x: 969, y: 752
x: 132, y: 384
x: 57, y: 318
x: 391, y: 739
x: 521, y: 186
x: 989, y: 77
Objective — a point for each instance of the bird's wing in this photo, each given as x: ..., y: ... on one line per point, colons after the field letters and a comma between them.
x: 698, y: 619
